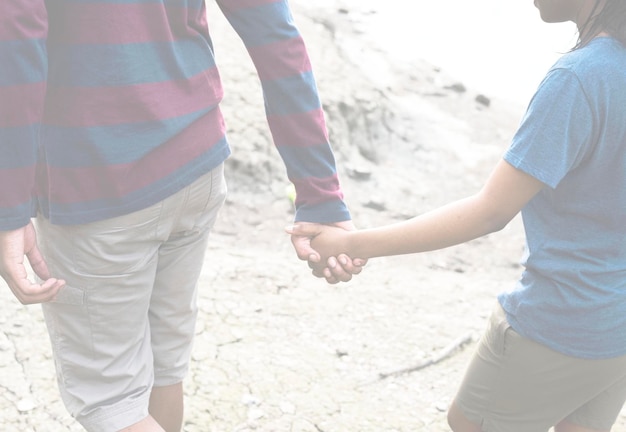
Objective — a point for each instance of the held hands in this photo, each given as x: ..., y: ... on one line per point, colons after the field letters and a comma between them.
x: 320, y: 245
x: 14, y: 245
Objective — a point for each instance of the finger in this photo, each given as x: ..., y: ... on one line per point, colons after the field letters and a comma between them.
x: 30, y: 293
x: 50, y: 289
x: 315, y: 266
x: 348, y: 264
x: 317, y: 269
x: 318, y: 274
x: 330, y: 279
x: 38, y: 263
x: 359, y: 262
x: 336, y: 271
x: 313, y: 257
x: 341, y: 276
x: 303, y: 248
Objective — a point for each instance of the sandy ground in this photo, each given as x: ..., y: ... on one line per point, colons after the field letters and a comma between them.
x: 278, y: 350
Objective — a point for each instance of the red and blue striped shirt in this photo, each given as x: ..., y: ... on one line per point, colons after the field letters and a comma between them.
x: 109, y: 106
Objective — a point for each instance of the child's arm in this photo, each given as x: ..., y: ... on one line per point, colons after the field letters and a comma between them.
x: 506, y: 192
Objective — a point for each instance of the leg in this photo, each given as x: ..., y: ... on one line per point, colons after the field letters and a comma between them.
x: 166, y: 406
x: 146, y: 425
x: 565, y: 426
x: 173, y: 307
x: 98, y: 324
x: 458, y: 422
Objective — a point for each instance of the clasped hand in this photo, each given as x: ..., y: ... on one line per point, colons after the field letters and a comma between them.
x: 325, y: 259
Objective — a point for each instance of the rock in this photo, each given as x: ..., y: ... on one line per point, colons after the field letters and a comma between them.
x: 26, y: 405
x: 442, y: 407
x: 483, y: 100
x: 359, y: 173
x: 375, y: 205
x: 457, y: 87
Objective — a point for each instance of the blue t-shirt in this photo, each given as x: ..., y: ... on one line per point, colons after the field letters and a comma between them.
x: 572, y: 294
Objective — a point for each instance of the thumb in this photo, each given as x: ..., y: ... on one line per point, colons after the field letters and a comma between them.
x: 302, y: 229
x: 301, y: 235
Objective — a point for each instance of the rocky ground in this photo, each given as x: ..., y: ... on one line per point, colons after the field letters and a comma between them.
x: 278, y: 350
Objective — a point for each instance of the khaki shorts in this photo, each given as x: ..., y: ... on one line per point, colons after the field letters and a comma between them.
x: 126, y: 318
x: 514, y: 384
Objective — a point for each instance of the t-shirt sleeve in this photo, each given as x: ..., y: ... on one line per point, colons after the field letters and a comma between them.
x: 556, y: 130
x: 292, y: 104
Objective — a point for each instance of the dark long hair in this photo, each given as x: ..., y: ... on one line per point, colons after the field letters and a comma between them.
x: 610, y: 19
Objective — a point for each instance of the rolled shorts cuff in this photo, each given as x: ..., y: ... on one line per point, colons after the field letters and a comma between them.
x: 170, y: 377
x: 115, y: 417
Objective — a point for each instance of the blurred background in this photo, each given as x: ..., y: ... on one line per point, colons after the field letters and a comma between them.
x: 498, y: 47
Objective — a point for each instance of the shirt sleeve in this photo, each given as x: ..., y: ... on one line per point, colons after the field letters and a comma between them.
x: 556, y: 130
x: 23, y: 71
x: 292, y: 104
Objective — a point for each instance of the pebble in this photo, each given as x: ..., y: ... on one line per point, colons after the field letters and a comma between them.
x: 442, y: 407
x: 26, y: 405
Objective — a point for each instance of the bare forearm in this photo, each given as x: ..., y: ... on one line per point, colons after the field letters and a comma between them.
x: 450, y: 225
x: 504, y: 194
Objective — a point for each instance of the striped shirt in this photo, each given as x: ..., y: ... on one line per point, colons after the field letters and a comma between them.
x: 131, y: 112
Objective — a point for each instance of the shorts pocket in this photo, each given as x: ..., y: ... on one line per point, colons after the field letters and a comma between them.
x: 115, y: 246
x: 503, y: 336
x: 498, y: 332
